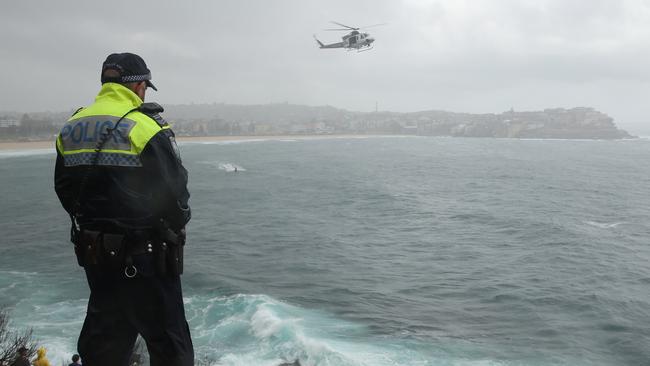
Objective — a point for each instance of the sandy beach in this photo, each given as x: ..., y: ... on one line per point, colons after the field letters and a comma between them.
x: 33, y: 145
x: 27, y: 145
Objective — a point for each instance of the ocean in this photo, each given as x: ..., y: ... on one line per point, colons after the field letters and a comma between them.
x: 376, y: 251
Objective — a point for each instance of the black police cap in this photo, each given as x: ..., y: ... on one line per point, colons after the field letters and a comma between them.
x: 130, y: 66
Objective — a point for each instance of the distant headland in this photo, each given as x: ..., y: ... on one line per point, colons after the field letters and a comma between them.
x: 219, y: 119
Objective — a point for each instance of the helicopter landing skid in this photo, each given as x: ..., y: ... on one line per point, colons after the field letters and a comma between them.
x: 365, y: 49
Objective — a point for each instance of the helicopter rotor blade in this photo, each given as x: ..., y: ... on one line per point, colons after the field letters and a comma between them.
x: 370, y: 26
x: 343, y: 25
x: 340, y: 29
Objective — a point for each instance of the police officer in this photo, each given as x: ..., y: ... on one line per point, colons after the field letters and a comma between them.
x: 120, y: 178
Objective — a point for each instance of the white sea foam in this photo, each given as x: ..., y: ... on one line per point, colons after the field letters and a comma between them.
x: 294, y: 139
x: 554, y: 139
x: 58, y: 351
x: 259, y: 330
x: 30, y: 152
x: 265, y: 323
x: 603, y: 225
x: 222, y: 142
x: 230, y: 167
x: 19, y: 273
x: 225, y: 166
x: 55, y: 325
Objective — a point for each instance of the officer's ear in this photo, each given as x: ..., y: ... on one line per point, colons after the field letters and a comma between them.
x: 140, y: 89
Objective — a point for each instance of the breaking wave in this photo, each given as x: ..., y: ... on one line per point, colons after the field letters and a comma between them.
x: 249, y: 330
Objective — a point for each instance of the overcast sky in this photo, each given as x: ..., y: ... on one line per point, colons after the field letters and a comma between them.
x: 458, y: 55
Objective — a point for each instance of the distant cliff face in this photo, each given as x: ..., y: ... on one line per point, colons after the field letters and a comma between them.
x: 575, y: 123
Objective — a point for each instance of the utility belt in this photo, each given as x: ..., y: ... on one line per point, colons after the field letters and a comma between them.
x: 130, y: 254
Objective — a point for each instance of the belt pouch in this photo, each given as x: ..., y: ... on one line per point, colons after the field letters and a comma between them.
x: 88, y: 248
x: 174, y: 257
x: 78, y: 252
x: 113, y: 251
x: 161, y: 254
x: 175, y: 260
x: 180, y: 258
x: 75, y: 238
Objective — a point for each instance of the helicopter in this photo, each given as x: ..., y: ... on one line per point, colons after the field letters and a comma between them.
x: 354, y: 40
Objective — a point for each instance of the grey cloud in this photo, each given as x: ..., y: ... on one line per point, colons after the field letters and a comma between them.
x: 481, y: 56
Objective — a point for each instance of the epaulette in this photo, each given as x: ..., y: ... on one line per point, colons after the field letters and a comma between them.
x: 77, y: 111
x: 153, y: 110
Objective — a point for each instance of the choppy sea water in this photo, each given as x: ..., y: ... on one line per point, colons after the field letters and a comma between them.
x: 376, y: 251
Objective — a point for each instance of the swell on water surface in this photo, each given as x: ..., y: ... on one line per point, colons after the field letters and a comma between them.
x: 376, y: 251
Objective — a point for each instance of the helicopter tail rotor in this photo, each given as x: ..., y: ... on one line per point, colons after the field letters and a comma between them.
x: 320, y: 44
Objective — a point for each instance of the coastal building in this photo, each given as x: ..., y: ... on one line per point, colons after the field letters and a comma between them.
x: 9, y: 122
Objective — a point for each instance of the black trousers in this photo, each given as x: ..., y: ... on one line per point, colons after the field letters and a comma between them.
x: 120, y: 308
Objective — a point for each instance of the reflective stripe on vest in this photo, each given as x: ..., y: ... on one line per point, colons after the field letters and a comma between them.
x: 104, y: 158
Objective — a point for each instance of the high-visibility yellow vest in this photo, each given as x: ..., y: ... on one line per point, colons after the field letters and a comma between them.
x: 82, y: 132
